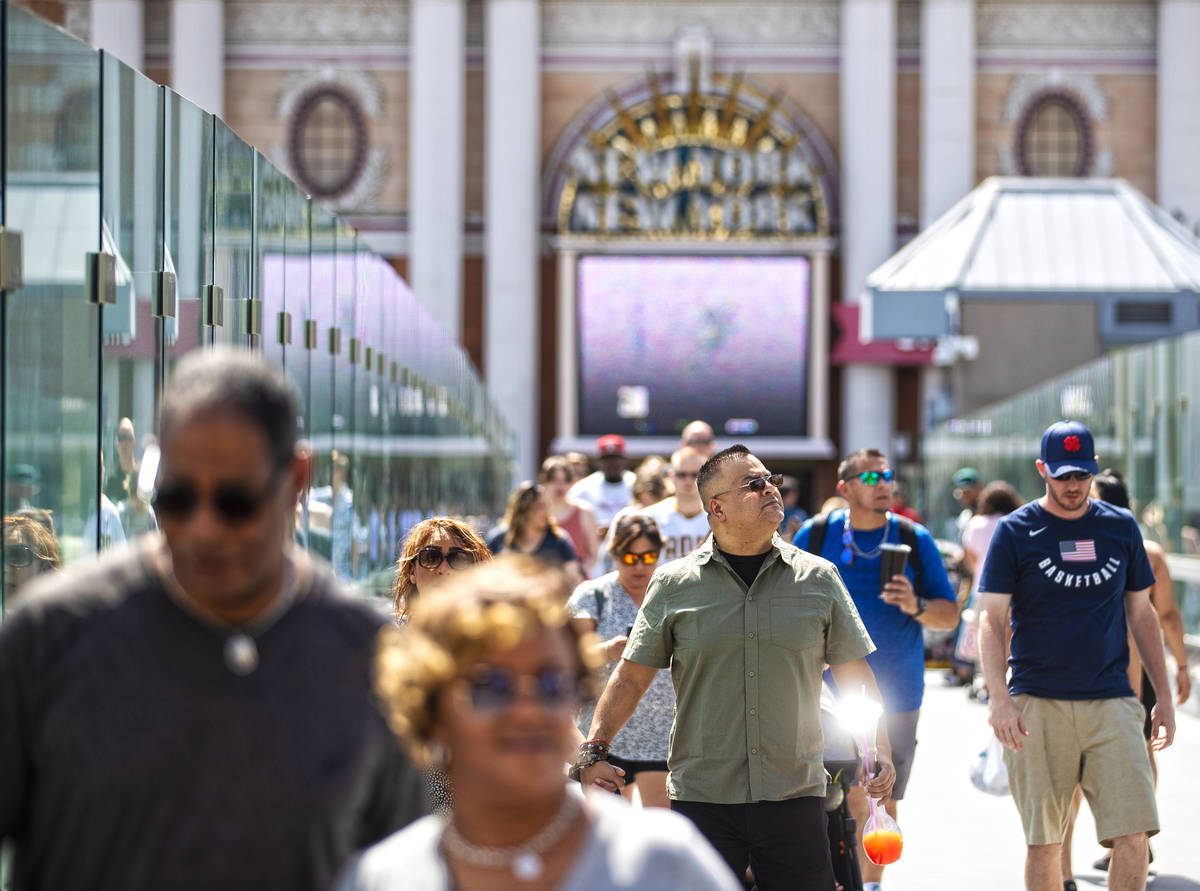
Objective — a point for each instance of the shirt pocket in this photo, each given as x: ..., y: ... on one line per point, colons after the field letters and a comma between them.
x: 797, y: 623
x: 686, y: 629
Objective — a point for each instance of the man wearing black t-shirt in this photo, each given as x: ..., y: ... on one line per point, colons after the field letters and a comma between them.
x: 1076, y: 575
x: 197, y: 712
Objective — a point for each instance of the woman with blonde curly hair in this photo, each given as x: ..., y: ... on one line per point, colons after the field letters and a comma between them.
x: 486, y: 680
x: 433, y: 549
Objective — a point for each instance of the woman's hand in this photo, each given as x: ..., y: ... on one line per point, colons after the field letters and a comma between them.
x: 612, y: 649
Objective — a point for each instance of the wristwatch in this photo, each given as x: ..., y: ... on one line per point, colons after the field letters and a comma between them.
x: 921, y: 604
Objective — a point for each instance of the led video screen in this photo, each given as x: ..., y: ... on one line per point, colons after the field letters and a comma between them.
x: 665, y: 340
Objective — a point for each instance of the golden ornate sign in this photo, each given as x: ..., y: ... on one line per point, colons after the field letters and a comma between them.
x: 720, y: 165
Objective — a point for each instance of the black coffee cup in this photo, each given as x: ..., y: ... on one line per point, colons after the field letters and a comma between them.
x: 893, y: 559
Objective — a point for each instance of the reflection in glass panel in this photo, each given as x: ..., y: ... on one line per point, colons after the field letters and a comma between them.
x: 52, y: 195
x: 133, y: 230
x: 269, y: 245
x: 188, y: 203
x: 233, y: 218
x: 321, y: 308
x: 347, y: 530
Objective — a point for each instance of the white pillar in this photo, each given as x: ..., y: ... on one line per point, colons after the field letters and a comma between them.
x: 118, y: 28
x: 1179, y: 108
x: 947, y: 104
x: 868, y: 113
x: 436, y: 88
x: 198, y: 53
x: 513, y: 127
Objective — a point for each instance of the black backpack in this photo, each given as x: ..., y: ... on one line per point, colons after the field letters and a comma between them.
x: 908, y: 536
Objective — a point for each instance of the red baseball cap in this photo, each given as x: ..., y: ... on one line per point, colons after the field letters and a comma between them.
x: 612, y: 444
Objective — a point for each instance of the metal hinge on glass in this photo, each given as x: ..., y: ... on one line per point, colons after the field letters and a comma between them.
x: 12, y: 256
x: 166, y: 295
x: 310, y: 334
x: 213, y: 308
x: 355, y: 350
x: 283, y: 328
x: 252, y: 317
x: 101, y: 280
x: 335, y: 341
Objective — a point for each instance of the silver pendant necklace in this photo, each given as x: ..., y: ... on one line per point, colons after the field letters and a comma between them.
x: 524, y: 860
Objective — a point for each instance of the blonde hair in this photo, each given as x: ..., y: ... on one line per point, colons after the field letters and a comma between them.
x: 476, y: 612
x: 403, y: 588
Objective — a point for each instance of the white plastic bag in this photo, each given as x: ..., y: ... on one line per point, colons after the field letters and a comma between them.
x: 988, y: 772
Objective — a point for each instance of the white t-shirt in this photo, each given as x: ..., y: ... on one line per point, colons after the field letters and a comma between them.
x: 681, y: 534
x: 605, y: 498
x: 627, y: 849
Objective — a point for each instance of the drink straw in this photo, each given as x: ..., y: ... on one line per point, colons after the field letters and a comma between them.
x: 867, y: 765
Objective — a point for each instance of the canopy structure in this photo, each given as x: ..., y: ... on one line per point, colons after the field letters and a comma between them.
x: 1027, y: 239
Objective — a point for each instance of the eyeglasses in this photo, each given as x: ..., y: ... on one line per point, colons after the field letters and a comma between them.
x: 649, y: 558
x: 492, y: 689
x: 873, y: 477
x: 1078, y: 476
x: 431, y: 557
x: 758, y: 485
x: 234, y: 504
x: 18, y: 555
x: 700, y: 441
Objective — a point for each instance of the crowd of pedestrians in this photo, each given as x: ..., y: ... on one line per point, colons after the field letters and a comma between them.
x: 205, y: 708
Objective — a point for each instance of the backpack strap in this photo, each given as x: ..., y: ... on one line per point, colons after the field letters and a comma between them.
x: 816, y: 533
x: 908, y: 536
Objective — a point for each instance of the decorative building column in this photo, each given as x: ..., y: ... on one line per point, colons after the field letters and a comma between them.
x: 511, y: 165
x: 436, y: 90
x: 947, y: 105
x: 1179, y: 109
x: 118, y: 28
x: 198, y: 52
x: 868, y: 115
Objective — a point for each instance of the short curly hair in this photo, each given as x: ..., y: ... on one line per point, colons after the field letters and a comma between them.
x: 478, y: 611
x: 403, y: 589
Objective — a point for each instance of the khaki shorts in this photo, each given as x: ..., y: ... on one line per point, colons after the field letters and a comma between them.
x: 1094, y: 743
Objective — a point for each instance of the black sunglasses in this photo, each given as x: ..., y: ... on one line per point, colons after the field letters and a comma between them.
x: 758, y: 485
x: 232, y: 502
x: 430, y: 557
x: 1078, y: 476
x: 493, y: 689
x: 18, y: 555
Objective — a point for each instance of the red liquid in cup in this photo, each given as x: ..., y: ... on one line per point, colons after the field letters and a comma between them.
x: 883, y: 846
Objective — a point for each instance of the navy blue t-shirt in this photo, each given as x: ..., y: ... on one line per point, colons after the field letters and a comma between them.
x: 1068, y: 580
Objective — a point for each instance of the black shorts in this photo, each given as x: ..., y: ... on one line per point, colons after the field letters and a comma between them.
x: 633, y: 768
x: 1149, y: 699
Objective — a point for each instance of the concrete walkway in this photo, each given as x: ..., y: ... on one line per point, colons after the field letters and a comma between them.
x: 956, y: 838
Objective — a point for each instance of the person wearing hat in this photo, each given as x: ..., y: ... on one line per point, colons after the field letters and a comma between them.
x: 967, y: 486
x: 1075, y: 573
x: 608, y: 489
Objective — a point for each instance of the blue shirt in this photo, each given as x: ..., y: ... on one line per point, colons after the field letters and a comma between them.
x: 899, y: 659
x: 1068, y: 580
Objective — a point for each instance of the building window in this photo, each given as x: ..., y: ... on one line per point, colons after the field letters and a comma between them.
x: 1054, y: 137
x: 327, y: 142
x: 1144, y: 313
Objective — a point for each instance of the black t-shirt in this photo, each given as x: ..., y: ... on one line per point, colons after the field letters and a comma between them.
x: 131, y: 757
x: 553, y: 548
x: 746, y: 566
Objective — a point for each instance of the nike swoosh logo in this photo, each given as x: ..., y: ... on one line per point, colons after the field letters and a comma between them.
x: 1033, y: 532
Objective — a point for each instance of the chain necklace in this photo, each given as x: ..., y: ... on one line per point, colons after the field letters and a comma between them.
x: 875, y: 551
x: 524, y: 859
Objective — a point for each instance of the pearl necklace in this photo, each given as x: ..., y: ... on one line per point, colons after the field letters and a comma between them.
x: 524, y: 859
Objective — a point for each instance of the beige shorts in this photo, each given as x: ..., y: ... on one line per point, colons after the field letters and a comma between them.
x: 1094, y: 743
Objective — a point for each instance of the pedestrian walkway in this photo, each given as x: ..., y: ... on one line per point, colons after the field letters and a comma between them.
x: 956, y: 838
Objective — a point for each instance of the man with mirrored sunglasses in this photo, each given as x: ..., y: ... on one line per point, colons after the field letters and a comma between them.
x: 211, y: 722
x: 896, y: 611
x: 1075, y: 574
x: 746, y: 623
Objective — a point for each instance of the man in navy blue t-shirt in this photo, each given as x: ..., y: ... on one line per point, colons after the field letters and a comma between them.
x: 893, y: 614
x: 1075, y: 574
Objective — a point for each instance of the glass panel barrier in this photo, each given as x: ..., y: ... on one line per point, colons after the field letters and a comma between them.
x: 233, y: 219
x: 51, y: 329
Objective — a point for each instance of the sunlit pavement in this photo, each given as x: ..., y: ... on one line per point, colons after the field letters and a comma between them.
x: 957, y: 838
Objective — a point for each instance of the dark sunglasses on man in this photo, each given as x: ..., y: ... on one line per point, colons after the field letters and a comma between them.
x: 758, y: 485
x: 431, y: 558
x: 233, y: 503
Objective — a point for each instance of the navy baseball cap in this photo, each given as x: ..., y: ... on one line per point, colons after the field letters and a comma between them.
x: 1068, y: 446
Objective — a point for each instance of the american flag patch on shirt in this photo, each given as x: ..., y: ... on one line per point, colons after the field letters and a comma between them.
x: 1078, y: 551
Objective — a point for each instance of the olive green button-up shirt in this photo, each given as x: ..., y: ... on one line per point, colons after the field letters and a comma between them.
x: 746, y: 664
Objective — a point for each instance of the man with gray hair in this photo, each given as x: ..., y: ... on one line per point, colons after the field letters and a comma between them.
x: 197, y: 711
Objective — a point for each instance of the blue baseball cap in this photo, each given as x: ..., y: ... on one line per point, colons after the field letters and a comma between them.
x: 1068, y: 446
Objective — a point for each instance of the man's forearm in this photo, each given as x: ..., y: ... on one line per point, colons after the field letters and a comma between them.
x: 940, y: 614
x: 1143, y: 625
x: 620, y: 698
x: 992, y: 656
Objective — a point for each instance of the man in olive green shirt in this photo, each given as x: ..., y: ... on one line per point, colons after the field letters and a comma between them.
x: 746, y: 624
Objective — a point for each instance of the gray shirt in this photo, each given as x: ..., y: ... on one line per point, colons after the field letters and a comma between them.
x: 626, y: 848
x: 131, y: 757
